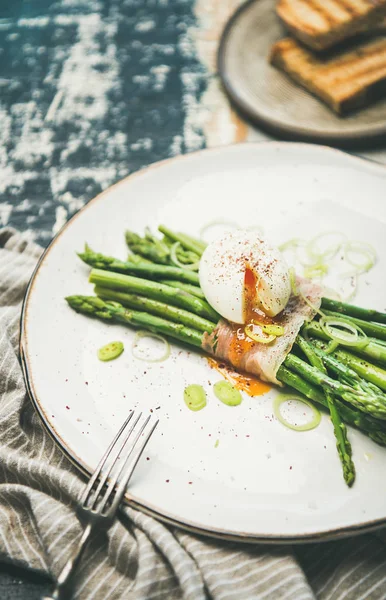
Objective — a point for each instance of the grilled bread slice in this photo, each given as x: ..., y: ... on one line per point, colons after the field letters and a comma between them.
x: 345, y: 82
x: 320, y: 24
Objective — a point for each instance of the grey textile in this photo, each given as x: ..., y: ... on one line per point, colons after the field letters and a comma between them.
x: 141, y: 559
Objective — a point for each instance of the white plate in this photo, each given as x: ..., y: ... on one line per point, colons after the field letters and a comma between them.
x: 263, y: 481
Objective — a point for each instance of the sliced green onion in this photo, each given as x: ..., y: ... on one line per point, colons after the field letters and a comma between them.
x: 330, y: 251
x: 227, y: 393
x: 148, y: 334
x: 174, y: 258
x: 195, y: 397
x: 281, y: 398
x: 276, y: 330
x: 292, y: 277
x: 110, y: 351
x: 332, y: 346
x: 361, y: 248
x: 261, y: 339
x: 290, y: 244
x: 316, y: 270
x: 307, y: 301
x: 352, y: 336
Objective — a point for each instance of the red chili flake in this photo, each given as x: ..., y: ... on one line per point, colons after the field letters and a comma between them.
x: 167, y: 480
x: 147, y: 458
x: 248, y: 435
x: 190, y: 482
x: 86, y: 382
x: 68, y: 408
x: 66, y: 379
x: 290, y: 468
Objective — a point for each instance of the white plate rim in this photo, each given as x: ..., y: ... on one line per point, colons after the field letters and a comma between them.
x: 327, y: 535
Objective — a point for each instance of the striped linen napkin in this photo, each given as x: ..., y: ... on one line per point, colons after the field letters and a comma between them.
x: 141, y: 559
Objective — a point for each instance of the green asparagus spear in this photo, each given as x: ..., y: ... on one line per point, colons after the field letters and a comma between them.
x: 172, y: 313
x: 156, y: 251
x: 368, y: 402
x: 186, y: 241
x: 155, y: 290
x: 151, y: 270
x: 366, y: 370
x: 366, y: 314
x: 372, y: 427
x: 112, y: 311
x: 340, y: 430
x: 372, y: 350
x: 373, y: 329
x: 187, y: 287
x: 137, y: 259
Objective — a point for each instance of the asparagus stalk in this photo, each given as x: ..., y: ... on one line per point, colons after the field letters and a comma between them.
x: 373, y: 329
x: 366, y: 314
x: 340, y: 430
x: 366, y: 370
x: 155, y: 290
x: 156, y: 251
x: 372, y: 350
x: 372, y: 427
x: 368, y: 402
x: 186, y: 241
x: 187, y: 287
x: 343, y: 371
x: 112, y: 311
x: 172, y: 313
x: 137, y: 259
x: 108, y: 263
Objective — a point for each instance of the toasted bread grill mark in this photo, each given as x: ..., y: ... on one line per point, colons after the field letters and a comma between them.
x: 346, y: 89
x: 332, y: 11
x: 357, y: 7
x: 347, y: 81
x: 322, y: 23
x: 299, y: 13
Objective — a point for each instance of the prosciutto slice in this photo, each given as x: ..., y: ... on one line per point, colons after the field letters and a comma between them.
x: 229, y: 343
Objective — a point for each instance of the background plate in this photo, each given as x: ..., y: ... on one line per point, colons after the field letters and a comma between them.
x: 269, y: 98
x: 263, y: 481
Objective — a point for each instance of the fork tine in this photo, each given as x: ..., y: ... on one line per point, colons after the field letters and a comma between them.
x: 103, y: 460
x: 122, y: 485
x: 124, y: 482
x: 114, y: 456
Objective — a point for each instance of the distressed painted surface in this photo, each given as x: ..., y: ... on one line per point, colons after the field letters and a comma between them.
x: 89, y: 92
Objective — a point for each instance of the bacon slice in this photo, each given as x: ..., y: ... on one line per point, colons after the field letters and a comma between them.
x: 229, y: 343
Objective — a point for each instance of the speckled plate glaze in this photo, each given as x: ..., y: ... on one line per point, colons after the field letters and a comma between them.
x: 262, y: 481
x: 270, y: 98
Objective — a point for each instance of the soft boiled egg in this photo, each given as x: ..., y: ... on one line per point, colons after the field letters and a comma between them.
x: 241, y: 273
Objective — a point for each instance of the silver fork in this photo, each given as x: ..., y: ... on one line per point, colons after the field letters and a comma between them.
x: 100, y: 500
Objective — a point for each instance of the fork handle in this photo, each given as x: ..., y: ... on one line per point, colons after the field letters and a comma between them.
x: 69, y: 568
